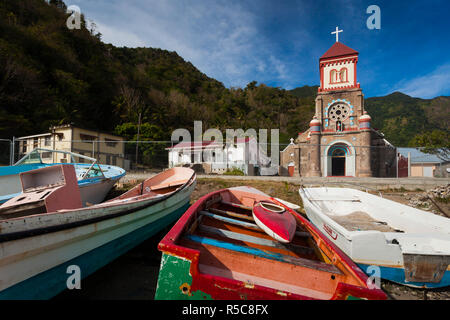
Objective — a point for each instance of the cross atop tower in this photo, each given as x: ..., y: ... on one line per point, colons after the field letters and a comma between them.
x: 337, y: 33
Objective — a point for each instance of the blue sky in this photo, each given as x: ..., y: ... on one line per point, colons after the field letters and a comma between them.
x: 279, y: 42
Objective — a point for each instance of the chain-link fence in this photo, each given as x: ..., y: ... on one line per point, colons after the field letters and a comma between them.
x: 247, y: 158
x: 6, y: 152
x: 130, y: 155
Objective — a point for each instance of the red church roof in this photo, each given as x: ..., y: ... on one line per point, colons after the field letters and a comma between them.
x: 338, y: 50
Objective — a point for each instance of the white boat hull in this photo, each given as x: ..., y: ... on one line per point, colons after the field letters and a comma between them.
x: 404, y: 254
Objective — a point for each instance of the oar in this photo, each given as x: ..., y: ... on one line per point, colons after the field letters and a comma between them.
x: 232, y: 214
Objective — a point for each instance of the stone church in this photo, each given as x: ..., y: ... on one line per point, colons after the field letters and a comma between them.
x: 340, y: 140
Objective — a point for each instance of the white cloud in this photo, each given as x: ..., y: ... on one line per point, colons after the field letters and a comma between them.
x: 119, y: 37
x: 428, y: 86
x: 221, y: 38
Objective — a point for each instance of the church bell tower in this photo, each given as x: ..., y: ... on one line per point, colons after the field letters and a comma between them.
x: 341, y: 126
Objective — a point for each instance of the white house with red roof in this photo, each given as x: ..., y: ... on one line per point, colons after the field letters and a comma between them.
x: 218, y: 157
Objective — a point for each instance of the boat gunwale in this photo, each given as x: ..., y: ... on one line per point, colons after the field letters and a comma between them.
x: 59, y: 227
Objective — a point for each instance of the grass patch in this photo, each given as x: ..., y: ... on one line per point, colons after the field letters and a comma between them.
x: 443, y: 199
x: 234, y: 172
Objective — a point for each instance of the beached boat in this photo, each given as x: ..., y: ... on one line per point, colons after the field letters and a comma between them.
x: 95, y: 180
x: 216, y: 251
x: 42, y: 243
x: 410, y: 246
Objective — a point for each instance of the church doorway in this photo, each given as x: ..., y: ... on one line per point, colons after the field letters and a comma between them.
x: 338, y: 162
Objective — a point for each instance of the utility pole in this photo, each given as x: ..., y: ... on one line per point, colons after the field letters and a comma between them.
x: 396, y: 162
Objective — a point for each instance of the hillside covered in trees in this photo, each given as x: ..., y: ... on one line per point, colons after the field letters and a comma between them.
x: 52, y: 75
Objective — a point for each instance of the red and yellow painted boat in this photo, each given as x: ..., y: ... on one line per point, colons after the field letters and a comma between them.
x: 216, y: 251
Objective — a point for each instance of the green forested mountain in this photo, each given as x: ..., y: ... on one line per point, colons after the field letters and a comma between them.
x: 408, y: 121
x: 52, y: 75
x: 305, y: 91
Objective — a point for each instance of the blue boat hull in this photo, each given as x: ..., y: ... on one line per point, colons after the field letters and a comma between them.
x: 398, y: 275
x: 51, y: 282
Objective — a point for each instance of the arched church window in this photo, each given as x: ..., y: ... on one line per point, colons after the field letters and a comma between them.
x: 339, y: 126
x: 338, y: 76
x: 333, y: 76
x: 343, y: 75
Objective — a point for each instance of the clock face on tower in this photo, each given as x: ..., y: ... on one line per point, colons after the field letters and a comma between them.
x: 338, y: 112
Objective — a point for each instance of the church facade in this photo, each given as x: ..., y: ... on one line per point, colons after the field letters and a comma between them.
x: 340, y: 140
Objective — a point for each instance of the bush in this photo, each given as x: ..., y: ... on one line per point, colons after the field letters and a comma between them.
x: 234, y: 172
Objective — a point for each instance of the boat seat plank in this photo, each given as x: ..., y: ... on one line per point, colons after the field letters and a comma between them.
x: 236, y: 205
x: 177, y: 183
x: 213, y: 201
x: 244, y: 224
x: 195, y: 225
x: 317, y: 265
x: 256, y: 240
x: 232, y: 214
x: 248, y: 225
x: 168, y: 185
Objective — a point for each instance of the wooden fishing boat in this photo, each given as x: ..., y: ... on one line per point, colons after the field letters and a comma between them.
x: 94, y: 180
x: 410, y: 246
x: 47, y: 233
x: 216, y: 251
x: 275, y: 220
